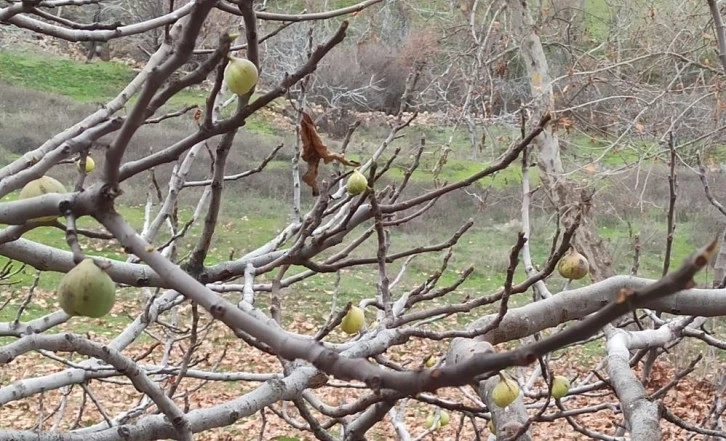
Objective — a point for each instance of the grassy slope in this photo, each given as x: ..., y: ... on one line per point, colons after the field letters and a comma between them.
x: 485, y: 247
x: 82, y: 82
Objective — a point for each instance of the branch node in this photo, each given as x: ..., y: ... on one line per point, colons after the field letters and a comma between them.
x: 217, y: 311
x: 124, y: 432
x: 64, y: 207
x: 374, y: 383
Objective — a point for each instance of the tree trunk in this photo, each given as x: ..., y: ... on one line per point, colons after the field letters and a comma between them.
x: 719, y: 267
x: 563, y: 193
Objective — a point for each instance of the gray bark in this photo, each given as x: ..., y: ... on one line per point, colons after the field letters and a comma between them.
x: 507, y: 421
x: 719, y: 267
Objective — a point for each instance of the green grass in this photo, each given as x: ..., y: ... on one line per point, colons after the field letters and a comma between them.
x: 89, y: 82
x: 459, y: 169
x: 597, y: 19
x: 6, y: 157
x: 82, y: 82
x: 258, y: 125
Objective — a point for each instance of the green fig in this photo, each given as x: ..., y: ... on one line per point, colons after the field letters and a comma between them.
x: 505, y: 392
x: 431, y: 361
x: 573, y: 265
x: 444, y: 418
x: 90, y: 164
x: 86, y: 290
x: 560, y: 386
x: 353, y: 321
x: 357, y: 183
x: 431, y: 422
x: 39, y: 187
x: 240, y: 75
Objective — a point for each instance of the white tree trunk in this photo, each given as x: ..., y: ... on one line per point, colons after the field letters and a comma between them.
x: 560, y: 190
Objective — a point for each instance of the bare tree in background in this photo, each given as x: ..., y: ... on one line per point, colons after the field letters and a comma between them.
x: 140, y: 11
x: 312, y: 380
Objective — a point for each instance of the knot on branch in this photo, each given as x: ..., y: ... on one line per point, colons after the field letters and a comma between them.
x: 374, y: 382
x: 109, y: 192
x: 527, y: 358
x: 64, y: 207
x: 217, y: 311
x: 319, y: 380
x: 124, y: 432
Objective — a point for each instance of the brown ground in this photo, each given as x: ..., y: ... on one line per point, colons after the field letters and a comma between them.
x: 690, y: 399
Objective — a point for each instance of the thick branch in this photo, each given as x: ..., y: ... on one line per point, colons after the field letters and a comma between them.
x: 41, y: 27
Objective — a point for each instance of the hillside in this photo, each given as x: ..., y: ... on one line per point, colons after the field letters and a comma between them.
x: 75, y: 86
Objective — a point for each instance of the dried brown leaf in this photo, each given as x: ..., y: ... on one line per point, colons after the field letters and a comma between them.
x: 314, y: 150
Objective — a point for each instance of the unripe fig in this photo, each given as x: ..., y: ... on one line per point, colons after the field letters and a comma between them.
x: 573, y: 265
x: 444, y: 418
x: 430, y: 422
x: 39, y: 187
x: 431, y: 361
x: 357, y: 183
x: 240, y: 75
x: 86, y: 290
x: 353, y: 321
x: 505, y: 392
x: 560, y: 386
x: 90, y: 164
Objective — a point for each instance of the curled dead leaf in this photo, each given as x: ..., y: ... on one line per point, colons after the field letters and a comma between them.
x: 314, y: 150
